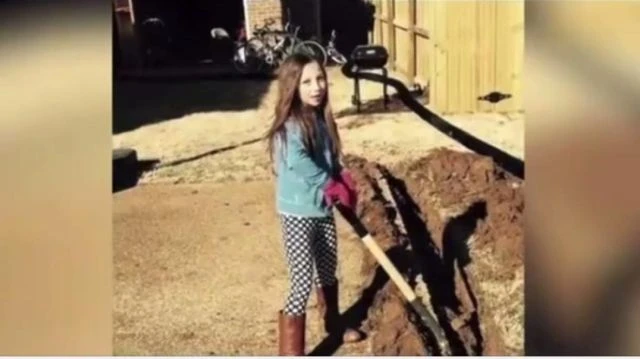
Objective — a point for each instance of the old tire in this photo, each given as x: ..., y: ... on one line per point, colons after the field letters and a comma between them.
x: 125, y: 168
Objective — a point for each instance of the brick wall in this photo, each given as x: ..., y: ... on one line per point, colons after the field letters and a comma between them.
x: 260, y: 10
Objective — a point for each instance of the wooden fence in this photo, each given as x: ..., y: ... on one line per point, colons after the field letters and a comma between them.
x: 460, y: 50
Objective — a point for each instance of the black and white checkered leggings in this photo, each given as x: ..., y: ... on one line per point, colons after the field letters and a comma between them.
x: 310, y: 243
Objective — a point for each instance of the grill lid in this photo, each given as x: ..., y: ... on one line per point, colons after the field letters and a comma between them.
x: 370, y: 56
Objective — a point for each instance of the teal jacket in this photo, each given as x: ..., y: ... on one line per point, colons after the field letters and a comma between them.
x: 301, y: 175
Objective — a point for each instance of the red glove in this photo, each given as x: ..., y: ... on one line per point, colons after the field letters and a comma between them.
x: 346, y: 178
x: 342, y: 191
x: 337, y: 191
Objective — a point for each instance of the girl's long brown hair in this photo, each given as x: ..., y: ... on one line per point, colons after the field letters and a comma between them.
x: 290, y: 107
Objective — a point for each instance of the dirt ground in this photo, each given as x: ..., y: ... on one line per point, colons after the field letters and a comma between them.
x: 199, y: 270
x: 191, y: 278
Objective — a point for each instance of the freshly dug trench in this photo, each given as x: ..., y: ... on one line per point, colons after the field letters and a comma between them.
x: 389, y: 324
x: 463, y: 247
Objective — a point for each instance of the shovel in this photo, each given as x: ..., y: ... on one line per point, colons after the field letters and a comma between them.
x: 425, y: 316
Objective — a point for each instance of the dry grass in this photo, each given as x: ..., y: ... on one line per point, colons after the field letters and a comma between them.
x: 503, y: 298
x: 386, y: 137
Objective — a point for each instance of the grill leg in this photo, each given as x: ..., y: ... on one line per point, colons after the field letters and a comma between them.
x: 356, y: 92
x: 384, y: 88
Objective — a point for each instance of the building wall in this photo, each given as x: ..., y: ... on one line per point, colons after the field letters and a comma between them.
x: 303, y: 13
x: 261, y: 10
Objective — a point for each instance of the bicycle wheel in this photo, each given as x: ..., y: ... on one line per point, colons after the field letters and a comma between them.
x: 285, y: 48
x: 313, y: 49
x: 248, y: 57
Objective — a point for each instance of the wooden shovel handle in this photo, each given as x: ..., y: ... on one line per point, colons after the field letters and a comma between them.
x: 382, y: 259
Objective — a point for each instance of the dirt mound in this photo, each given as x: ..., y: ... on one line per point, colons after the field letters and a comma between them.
x: 453, y: 181
x: 461, y: 238
x: 474, y: 214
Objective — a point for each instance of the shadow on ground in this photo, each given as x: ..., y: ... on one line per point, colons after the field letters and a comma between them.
x: 140, y: 103
x: 209, y: 153
x: 355, y: 316
x: 394, y: 104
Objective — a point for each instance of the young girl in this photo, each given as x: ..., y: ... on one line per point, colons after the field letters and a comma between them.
x: 305, y: 148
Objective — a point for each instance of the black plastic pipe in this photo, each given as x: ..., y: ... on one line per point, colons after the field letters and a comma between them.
x: 509, y: 163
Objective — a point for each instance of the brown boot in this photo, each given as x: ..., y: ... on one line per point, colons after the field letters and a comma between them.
x: 330, y: 312
x: 291, y: 330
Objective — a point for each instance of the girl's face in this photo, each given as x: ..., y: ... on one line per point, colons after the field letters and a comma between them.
x: 313, y: 85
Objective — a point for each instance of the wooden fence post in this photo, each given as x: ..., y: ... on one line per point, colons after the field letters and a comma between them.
x: 391, y: 33
x: 412, y: 42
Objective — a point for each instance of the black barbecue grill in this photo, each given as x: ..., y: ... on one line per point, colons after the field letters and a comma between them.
x: 367, y: 58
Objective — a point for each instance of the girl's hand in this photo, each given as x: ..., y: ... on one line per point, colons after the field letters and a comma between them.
x: 346, y: 178
x: 338, y: 192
